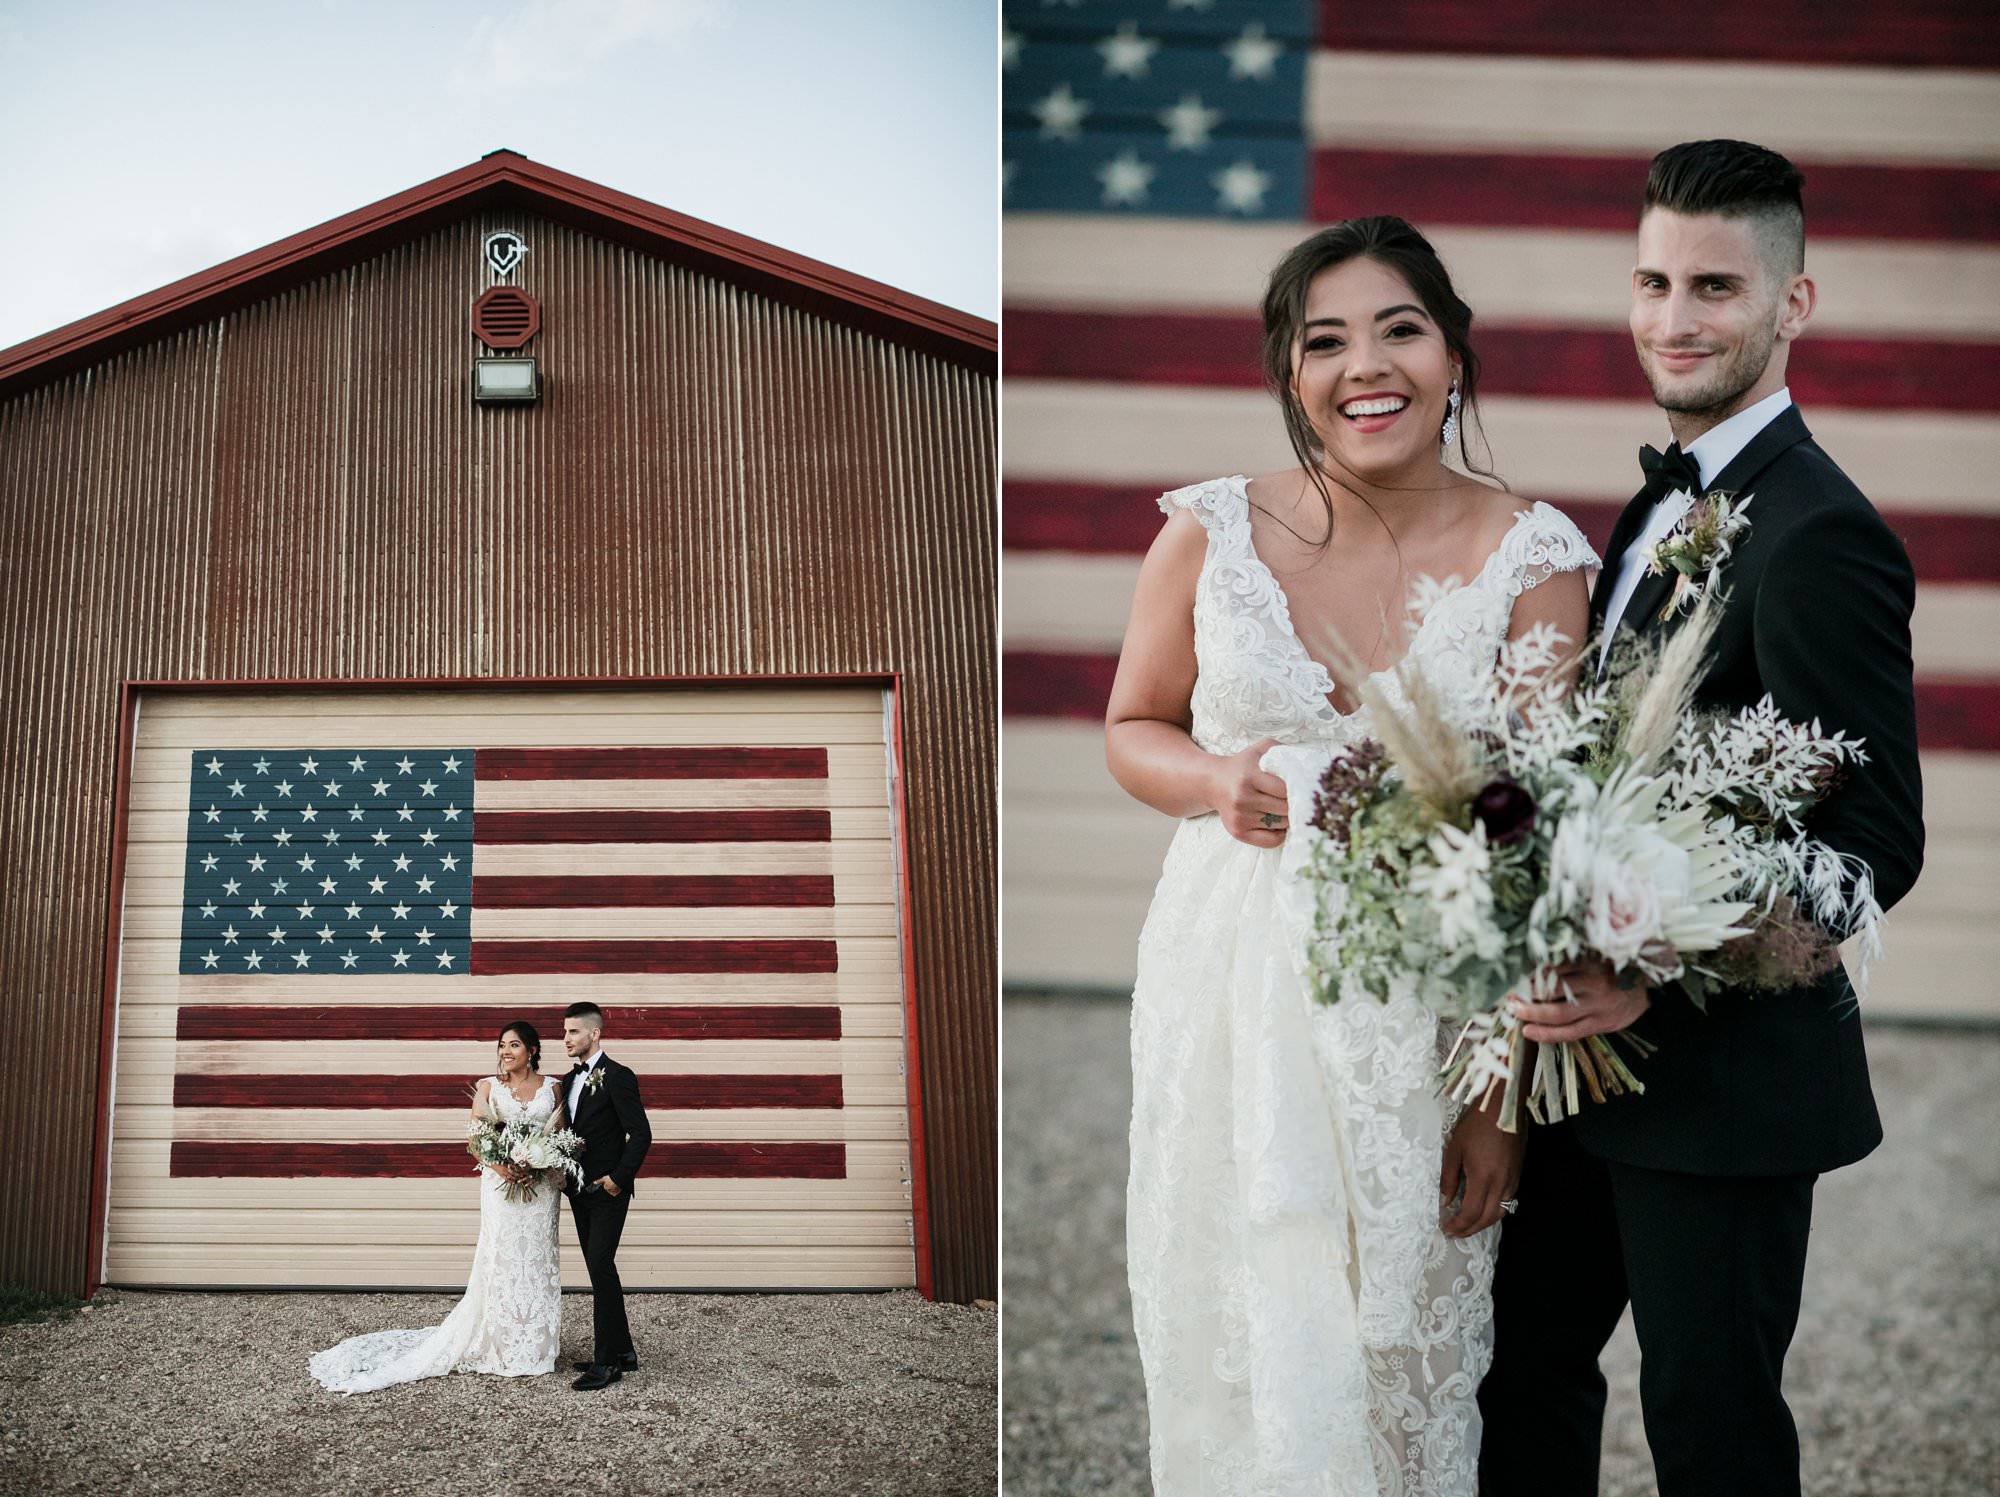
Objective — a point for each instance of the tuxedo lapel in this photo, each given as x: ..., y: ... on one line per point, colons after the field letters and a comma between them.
x: 1786, y: 430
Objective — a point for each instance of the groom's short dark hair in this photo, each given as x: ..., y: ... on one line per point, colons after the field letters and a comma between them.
x: 1736, y: 180
x: 585, y: 1011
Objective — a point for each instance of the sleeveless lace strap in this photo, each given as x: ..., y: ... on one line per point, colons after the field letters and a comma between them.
x: 1217, y: 501
x: 1543, y: 542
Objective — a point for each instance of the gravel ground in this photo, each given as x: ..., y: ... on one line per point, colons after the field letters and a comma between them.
x: 753, y: 1394
x: 1894, y: 1376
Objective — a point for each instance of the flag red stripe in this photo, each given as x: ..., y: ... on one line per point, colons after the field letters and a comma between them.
x: 1962, y: 715
x: 1942, y: 33
x: 1112, y: 519
x: 556, y: 958
x: 651, y: 764
x: 403, y: 1093
x: 594, y: 892
x: 1504, y: 190
x: 436, y: 1022
x: 492, y: 827
x: 1218, y: 350
x: 681, y: 1161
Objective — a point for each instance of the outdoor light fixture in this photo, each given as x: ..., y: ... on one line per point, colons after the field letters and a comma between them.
x: 505, y: 381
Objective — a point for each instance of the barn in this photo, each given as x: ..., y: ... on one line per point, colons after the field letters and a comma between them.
x: 508, y: 593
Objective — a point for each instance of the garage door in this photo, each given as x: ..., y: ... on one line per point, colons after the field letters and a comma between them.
x: 335, y: 899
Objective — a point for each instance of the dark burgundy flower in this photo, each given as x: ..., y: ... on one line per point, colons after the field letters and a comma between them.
x: 1506, y: 810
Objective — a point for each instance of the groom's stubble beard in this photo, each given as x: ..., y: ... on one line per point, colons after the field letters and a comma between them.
x: 1717, y: 399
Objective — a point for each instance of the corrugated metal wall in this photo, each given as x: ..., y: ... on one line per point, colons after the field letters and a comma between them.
x: 712, y: 484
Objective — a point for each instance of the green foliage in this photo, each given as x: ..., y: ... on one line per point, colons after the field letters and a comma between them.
x: 20, y: 1305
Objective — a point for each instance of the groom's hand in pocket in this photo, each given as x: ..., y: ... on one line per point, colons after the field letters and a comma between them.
x: 1596, y: 1005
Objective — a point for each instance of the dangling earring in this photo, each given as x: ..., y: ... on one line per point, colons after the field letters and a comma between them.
x: 1450, y: 433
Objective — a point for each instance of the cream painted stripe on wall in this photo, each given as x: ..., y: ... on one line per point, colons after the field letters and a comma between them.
x: 421, y: 709
x: 1900, y: 115
x: 1065, y: 602
x: 1543, y: 276
x: 1083, y: 859
x: 1084, y: 430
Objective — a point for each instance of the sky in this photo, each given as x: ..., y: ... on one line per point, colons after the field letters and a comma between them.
x: 146, y: 142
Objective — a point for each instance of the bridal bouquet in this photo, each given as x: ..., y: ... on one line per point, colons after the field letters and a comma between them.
x: 525, y: 1146
x: 1473, y: 848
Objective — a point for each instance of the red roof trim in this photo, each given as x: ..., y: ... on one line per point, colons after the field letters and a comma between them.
x: 505, y: 179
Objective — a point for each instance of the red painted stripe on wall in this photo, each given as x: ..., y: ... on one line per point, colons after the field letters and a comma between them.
x: 493, y: 827
x: 437, y: 1022
x: 554, y: 958
x: 651, y: 764
x: 1959, y: 715
x: 1112, y: 519
x: 411, y: 1093
x: 196, y: 1158
x: 1218, y: 351
x: 1514, y: 189
x: 674, y: 890
x: 1929, y: 33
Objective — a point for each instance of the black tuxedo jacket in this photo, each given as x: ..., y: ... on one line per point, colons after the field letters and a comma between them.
x: 612, y: 1123
x: 1819, y: 593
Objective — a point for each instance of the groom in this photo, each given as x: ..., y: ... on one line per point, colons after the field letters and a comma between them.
x: 603, y: 1101
x: 1694, y: 1200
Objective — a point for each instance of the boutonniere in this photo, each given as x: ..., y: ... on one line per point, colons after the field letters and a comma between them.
x: 1697, y: 546
x: 593, y: 1081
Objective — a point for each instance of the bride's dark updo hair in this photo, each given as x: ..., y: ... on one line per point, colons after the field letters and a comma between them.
x: 1394, y: 244
x: 529, y: 1037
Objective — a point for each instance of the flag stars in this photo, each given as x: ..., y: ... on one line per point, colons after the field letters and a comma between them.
x: 405, y: 765
x: 429, y: 787
x: 380, y: 787
x: 257, y: 910
x: 229, y: 935
x: 1253, y: 54
x: 332, y: 788
x: 448, y: 909
x: 262, y: 766
x: 377, y: 885
x: 214, y: 766
x: 306, y: 863
x: 405, y: 814
x: 277, y: 935
x: 209, y: 958
x: 212, y: 814
x: 444, y: 959
x: 282, y: 837
x: 1240, y: 188
x: 1189, y: 123
x: 448, y: 862
x: 1061, y: 113
x: 424, y: 885
x: 234, y: 834
x: 230, y: 886
x: 260, y: 814
x: 402, y: 862
x: 401, y: 958
x: 328, y: 886
x: 354, y: 912
x: 301, y: 958
x: 348, y: 959
x: 208, y: 911
x: 305, y: 911
x: 1126, y: 179
x: 283, y: 787
x: 375, y: 934
x: 355, y: 813
x: 379, y: 838
x: 429, y: 838
x: 253, y: 960
x: 331, y: 838
x: 357, y: 764
x: 400, y: 910
x: 278, y: 886
x: 208, y: 863
x: 451, y: 764
x: 257, y: 862
x: 326, y: 935
x: 236, y: 787
x: 451, y: 813
x: 310, y: 813
x: 309, y: 765
x: 354, y: 863
x: 1127, y: 54
x: 424, y: 936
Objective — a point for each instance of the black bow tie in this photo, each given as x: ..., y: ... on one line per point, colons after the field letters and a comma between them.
x: 1669, y: 472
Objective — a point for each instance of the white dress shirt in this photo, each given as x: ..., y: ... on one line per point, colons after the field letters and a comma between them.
x: 576, y: 1086
x: 1711, y: 452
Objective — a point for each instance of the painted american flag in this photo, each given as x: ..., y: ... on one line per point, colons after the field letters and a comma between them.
x: 366, y: 867
x: 1161, y: 155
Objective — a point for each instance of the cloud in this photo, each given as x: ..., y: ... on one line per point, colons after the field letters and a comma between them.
x: 561, y: 41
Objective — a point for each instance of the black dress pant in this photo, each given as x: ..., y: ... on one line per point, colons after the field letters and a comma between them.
x: 1713, y: 1267
x: 600, y: 1222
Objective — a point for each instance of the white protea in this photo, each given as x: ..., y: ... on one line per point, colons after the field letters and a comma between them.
x: 1458, y: 882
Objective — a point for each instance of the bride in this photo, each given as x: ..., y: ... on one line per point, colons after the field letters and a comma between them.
x: 1310, y: 1228
x: 510, y: 1319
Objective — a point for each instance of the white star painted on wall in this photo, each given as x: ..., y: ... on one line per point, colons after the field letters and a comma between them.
x: 1061, y: 113
x: 214, y: 766
x: 448, y: 909
x: 1241, y: 187
x: 380, y: 787
x: 405, y: 765
x: 209, y: 959
x: 283, y: 787
x: 1010, y: 49
x: 253, y: 960
x: 236, y: 787
x: 1253, y: 54
x: 348, y: 959
x: 1125, y: 178
x: 309, y: 764
x: 262, y: 766
x: 401, y: 959
x: 1189, y: 123
x: 256, y: 864
x: 212, y: 814
x: 444, y: 958
x: 1127, y: 54
x: 208, y: 863
x: 229, y: 935
x: 301, y: 958
x: 357, y: 764
x: 451, y: 764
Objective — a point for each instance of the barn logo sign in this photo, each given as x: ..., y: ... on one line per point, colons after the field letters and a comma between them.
x: 504, y: 249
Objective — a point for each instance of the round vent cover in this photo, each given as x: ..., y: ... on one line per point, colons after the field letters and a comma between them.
x: 506, y: 317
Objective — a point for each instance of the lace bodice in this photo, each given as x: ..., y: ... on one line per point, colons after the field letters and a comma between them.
x: 1256, y: 679
x: 508, y: 1108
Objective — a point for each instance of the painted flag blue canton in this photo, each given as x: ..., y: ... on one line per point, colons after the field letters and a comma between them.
x: 1191, y: 108
x: 334, y: 860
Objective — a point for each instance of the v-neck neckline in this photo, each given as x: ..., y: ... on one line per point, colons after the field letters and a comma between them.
x: 1284, y: 603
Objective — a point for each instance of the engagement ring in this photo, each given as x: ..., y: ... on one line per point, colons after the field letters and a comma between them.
x: 1510, y: 1207
x: 1270, y: 819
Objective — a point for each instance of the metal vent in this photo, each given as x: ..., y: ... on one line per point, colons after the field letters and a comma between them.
x: 506, y: 317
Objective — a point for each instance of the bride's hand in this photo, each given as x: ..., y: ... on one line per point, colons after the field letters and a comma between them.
x: 1250, y: 802
x: 1489, y: 1161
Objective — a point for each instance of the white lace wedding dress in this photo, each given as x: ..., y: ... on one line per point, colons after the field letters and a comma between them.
x: 1305, y: 1325
x: 509, y: 1321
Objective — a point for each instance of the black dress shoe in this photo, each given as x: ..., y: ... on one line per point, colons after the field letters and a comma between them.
x: 627, y: 1363
x: 599, y: 1376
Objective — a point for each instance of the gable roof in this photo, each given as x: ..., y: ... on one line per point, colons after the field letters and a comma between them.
x: 505, y: 180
